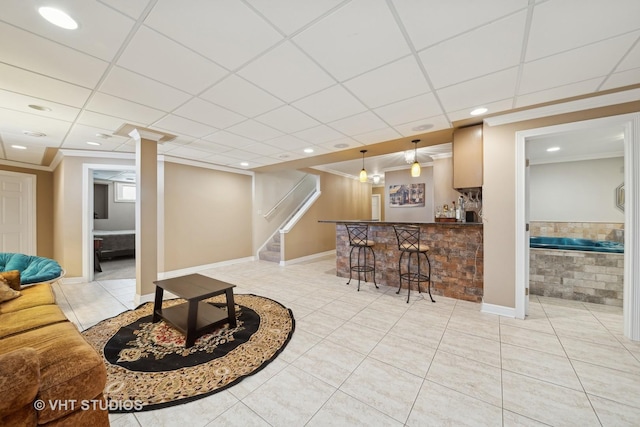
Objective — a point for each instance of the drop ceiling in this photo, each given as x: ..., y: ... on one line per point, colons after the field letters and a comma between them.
x: 259, y: 81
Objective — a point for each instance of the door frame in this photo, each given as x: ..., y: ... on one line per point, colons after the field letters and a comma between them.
x: 377, y: 196
x: 30, y: 181
x: 631, y: 124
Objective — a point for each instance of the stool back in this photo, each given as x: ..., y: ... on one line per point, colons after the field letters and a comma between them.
x: 358, y: 234
x: 408, y: 238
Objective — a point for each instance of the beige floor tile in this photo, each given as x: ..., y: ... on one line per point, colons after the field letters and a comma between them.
x: 329, y: 362
x: 511, y: 419
x: 252, y: 382
x: 537, y: 364
x: 472, y: 347
x: 485, y: 326
x: 545, y: 402
x: 375, y: 319
x: 420, y: 333
x: 386, y: 388
x: 539, y: 324
x: 290, y: 398
x: 439, y: 406
x: 344, y: 410
x: 319, y: 323
x: 403, y: 354
x: 356, y: 337
x: 239, y: 415
x: 609, y: 383
x: 467, y: 376
x: 531, y: 339
x: 615, y: 357
x: 123, y: 420
x: 299, y: 344
x: 614, y: 414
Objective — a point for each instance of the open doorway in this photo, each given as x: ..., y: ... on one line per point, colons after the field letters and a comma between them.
x: 623, y: 127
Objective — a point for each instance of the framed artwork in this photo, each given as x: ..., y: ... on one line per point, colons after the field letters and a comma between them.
x: 406, y: 195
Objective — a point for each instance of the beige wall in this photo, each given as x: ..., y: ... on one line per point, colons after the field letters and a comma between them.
x: 342, y: 198
x: 207, y: 216
x: 499, y: 198
x: 443, y: 191
x: 44, y: 208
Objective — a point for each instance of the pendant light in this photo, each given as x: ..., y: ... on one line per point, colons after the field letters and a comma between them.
x: 363, y: 172
x: 415, y: 167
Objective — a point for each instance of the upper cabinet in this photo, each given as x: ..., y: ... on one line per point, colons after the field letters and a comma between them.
x: 467, y: 157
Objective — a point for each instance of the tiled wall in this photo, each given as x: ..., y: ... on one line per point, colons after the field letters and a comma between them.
x: 583, y: 276
x: 580, y: 230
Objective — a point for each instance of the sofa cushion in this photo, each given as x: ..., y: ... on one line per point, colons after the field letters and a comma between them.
x: 30, y: 318
x: 12, y: 277
x: 70, y: 369
x: 19, y: 382
x: 6, y: 292
x: 32, y: 296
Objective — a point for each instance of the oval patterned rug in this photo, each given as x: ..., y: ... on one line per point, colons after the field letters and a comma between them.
x: 148, y: 366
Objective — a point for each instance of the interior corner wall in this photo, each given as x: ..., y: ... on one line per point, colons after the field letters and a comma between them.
x: 341, y: 199
x: 410, y: 214
x: 207, y: 216
x: 499, y: 197
x: 44, y: 208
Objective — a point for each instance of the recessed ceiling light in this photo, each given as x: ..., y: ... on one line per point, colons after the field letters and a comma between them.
x: 93, y: 143
x: 422, y: 127
x: 32, y: 133
x: 478, y: 111
x: 283, y: 156
x: 19, y: 147
x: 39, y: 107
x: 341, y: 145
x: 58, y: 18
x: 551, y: 149
x: 244, y: 164
x: 308, y: 150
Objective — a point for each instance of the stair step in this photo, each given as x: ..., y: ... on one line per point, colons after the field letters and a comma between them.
x: 273, y: 246
x: 270, y: 256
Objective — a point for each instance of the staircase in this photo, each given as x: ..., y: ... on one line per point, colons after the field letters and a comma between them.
x: 271, y: 251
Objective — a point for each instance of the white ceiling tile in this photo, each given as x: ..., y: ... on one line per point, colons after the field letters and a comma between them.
x: 337, y: 145
x: 287, y: 120
x: 224, y: 160
x: 208, y: 113
x: 413, y: 128
x: 632, y: 60
x: 229, y: 139
x: 15, y: 101
x: 356, y: 38
x: 15, y: 122
x: 319, y: 134
x: 624, y: 78
x: 391, y: 83
x: 242, y: 155
x: 491, y: 88
x: 133, y: 8
x: 410, y: 110
x: 491, y: 48
x: 330, y: 104
x: 287, y: 143
x: 492, y: 108
x: 288, y: 156
x: 558, y: 26
x: 430, y: 21
x: 225, y: 31
x: 101, y: 30
x: 208, y: 146
x: 261, y: 149
x: 579, y: 64
x: 377, y: 136
x: 81, y: 134
x: 240, y: 96
x: 560, y: 92
x: 360, y: 123
x: 287, y: 73
x: 118, y: 107
x: 185, y: 69
x: 104, y: 121
x: 187, y: 153
x: 32, y: 84
x: 254, y: 130
x: 291, y: 16
x: 176, y: 124
x: 134, y: 87
x: 32, y: 155
x: 46, y: 57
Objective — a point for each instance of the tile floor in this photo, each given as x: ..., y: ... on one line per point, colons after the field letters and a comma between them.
x: 368, y: 358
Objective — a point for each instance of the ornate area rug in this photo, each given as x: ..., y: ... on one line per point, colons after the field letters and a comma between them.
x: 148, y: 366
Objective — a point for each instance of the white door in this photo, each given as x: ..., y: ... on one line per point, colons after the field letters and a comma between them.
x: 17, y: 213
x: 375, y: 207
x: 527, y: 235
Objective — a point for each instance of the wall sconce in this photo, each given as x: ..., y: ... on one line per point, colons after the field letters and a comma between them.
x: 415, y: 167
x: 363, y: 172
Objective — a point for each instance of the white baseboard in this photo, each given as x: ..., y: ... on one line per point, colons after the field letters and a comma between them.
x: 500, y: 310
x: 73, y: 280
x: 141, y: 299
x: 307, y: 258
x: 197, y: 269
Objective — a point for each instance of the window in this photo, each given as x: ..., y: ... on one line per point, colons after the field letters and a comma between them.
x: 125, y: 192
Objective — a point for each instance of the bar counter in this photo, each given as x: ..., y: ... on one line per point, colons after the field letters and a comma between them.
x: 456, y: 256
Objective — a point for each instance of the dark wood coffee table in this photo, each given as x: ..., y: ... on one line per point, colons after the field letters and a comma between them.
x: 194, y: 318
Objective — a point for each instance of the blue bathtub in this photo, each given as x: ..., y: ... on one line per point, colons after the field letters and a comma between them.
x: 569, y: 244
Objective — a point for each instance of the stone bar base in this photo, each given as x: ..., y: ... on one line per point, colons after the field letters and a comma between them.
x: 456, y: 257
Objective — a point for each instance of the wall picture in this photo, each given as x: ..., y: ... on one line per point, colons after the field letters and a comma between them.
x: 406, y: 195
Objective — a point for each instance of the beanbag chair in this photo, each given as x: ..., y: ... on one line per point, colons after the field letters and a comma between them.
x: 33, y: 269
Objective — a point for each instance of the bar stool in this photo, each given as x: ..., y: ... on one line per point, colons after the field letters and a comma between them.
x: 409, y: 243
x: 358, y: 238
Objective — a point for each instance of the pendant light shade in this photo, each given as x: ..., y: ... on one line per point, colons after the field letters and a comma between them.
x: 415, y: 167
x: 363, y: 172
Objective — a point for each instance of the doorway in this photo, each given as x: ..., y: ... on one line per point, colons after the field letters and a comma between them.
x: 18, y: 220
x: 631, y: 125
x: 375, y: 207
